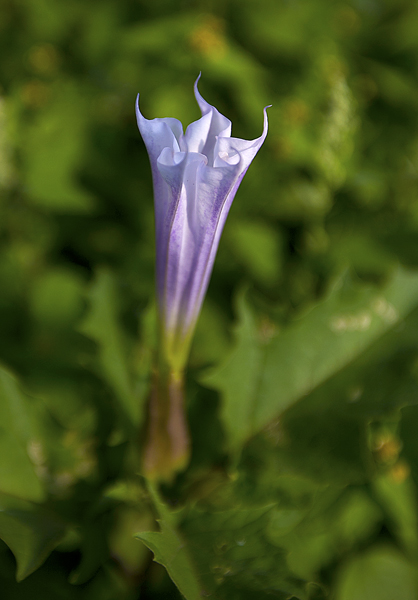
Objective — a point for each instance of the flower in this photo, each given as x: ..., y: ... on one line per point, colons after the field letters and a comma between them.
x: 196, y: 175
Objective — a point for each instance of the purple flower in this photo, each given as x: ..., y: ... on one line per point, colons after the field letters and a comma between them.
x: 196, y: 175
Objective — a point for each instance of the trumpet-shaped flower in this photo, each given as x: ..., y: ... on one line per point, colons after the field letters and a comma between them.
x: 195, y: 176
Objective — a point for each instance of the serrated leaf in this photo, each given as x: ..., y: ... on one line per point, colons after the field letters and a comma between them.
x: 18, y: 475
x: 263, y: 378
x: 30, y: 531
x: 224, y: 554
x: 170, y: 551
x: 102, y: 325
x: 234, y: 556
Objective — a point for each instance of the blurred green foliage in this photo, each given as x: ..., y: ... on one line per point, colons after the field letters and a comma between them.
x: 303, y: 379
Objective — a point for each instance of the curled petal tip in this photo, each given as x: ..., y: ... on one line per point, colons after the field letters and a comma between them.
x: 196, y: 83
x: 137, y: 109
x: 266, y: 123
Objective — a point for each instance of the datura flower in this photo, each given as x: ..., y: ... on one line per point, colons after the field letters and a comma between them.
x: 196, y: 175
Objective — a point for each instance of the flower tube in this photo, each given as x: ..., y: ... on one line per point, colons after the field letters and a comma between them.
x: 196, y: 175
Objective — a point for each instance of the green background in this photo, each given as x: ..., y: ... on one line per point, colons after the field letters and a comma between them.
x: 303, y: 379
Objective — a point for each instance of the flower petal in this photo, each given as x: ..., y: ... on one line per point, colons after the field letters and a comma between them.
x: 196, y: 135
x: 220, y: 126
x: 160, y: 135
x: 178, y: 171
x: 226, y: 149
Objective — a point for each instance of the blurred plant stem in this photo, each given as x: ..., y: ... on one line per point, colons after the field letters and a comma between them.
x: 167, y: 445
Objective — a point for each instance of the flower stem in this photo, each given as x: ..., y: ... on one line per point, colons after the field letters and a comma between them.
x: 167, y: 445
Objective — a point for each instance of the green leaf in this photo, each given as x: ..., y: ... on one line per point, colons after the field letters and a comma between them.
x: 18, y: 476
x: 266, y: 374
x: 381, y: 573
x: 56, y: 298
x: 93, y: 547
x: 225, y: 554
x: 257, y: 247
x: 102, y: 324
x: 327, y: 445
x: 234, y: 557
x: 399, y: 501
x: 170, y: 551
x: 31, y: 533
x: 238, y: 378
x: 53, y: 153
x: 313, y: 536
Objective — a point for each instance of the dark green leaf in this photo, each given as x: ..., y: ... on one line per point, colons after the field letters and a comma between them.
x: 30, y: 531
x: 103, y: 325
x: 18, y: 474
x: 226, y: 554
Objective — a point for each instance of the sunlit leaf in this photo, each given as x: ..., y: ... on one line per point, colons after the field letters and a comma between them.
x: 263, y: 377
